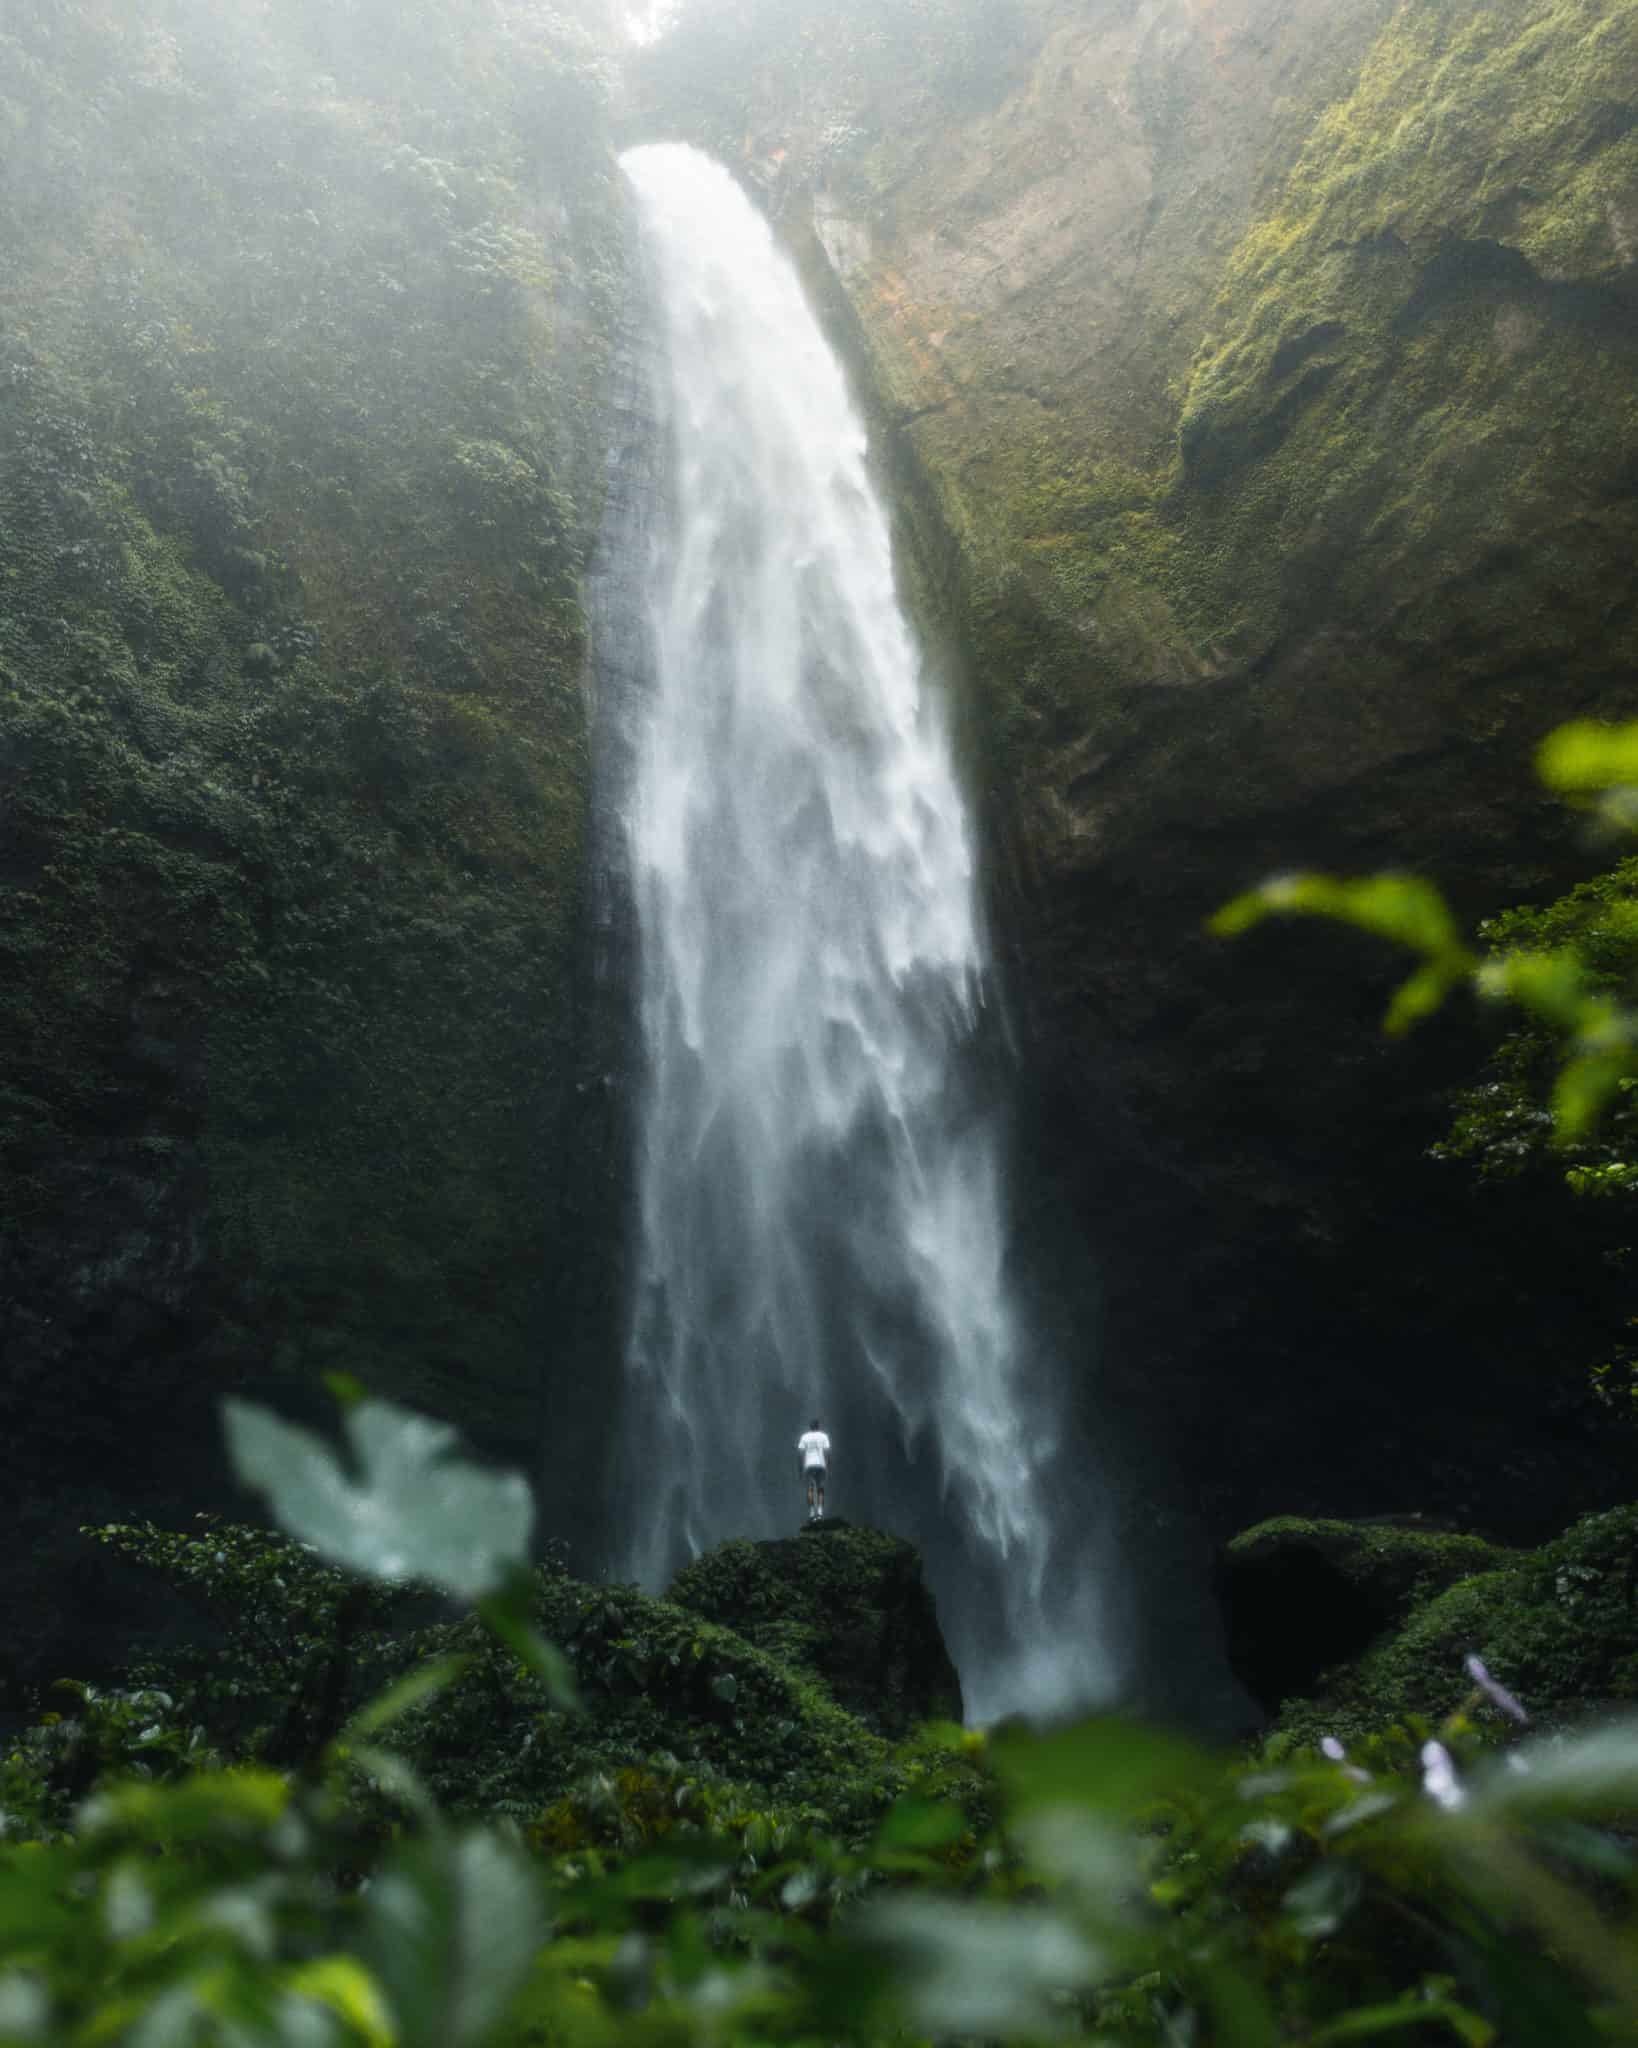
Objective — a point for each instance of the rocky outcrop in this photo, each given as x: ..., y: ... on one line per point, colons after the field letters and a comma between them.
x: 1302, y: 1597
x: 848, y: 1605
x: 1375, y: 1625
x: 1270, y: 365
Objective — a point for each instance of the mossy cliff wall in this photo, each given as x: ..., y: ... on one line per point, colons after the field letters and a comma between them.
x: 1274, y: 364
x: 302, y: 348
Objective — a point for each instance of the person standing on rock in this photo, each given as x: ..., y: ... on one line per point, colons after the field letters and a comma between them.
x: 813, y: 1448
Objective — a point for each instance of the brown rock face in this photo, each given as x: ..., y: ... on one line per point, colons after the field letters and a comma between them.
x: 1270, y: 364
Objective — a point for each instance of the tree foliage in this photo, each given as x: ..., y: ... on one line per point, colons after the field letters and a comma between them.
x: 1560, y: 969
x: 1559, y: 1093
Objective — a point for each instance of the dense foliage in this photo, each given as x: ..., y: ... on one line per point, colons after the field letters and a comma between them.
x: 296, y: 482
x: 1100, y: 1881
x: 304, y: 339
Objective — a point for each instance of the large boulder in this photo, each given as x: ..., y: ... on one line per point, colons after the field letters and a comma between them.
x: 846, y: 1604
x: 1555, y: 1626
x: 1301, y: 1596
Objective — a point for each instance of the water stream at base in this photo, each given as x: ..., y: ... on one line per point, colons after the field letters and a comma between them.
x: 821, y: 1222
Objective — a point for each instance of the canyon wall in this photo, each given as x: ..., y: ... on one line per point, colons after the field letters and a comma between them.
x: 302, y: 431
x: 1269, y: 368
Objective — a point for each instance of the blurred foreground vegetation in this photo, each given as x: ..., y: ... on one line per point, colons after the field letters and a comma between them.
x: 247, y: 1850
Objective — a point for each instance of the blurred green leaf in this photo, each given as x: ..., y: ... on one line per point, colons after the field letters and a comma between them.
x: 1403, y: 908
x: 1553, y: 984
x: 1241, y: 2010
x: 1584, y: 757
x: 1575, y: 1776
x: 346, y: 1988
x: 921, y: 1824
x: 398, y: 1780
x: 451, y: 1928
x: 213, y: 1806
x: 1582, y: 1091
x: 1109, y: 1767
x: 413, y: 1690
x: 983, y: 1970
x: 1368, y: 2022
x: 1392, y: 906
x: 1321, y: 1901
x: 506, y: 1614
x: 416, y: 1511
x: 1421, y: 995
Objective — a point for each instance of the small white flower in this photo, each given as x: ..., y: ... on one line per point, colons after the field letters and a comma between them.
x: 1498, y: 1694
x: 1439, y: 1780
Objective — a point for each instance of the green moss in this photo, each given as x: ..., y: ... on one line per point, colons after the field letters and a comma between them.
x: 1410, y: 363
x: 1397, y: 1565
x: 1407, y: 429
x: 668, y: 1696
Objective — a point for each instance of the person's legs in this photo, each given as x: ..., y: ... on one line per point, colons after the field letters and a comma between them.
x: 819, y: 1482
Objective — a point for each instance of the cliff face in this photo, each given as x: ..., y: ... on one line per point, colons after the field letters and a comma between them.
x: 301, y: 436
x: 1272, y: 366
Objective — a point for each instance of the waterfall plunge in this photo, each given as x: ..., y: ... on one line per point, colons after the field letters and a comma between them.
x: 821, y: 1218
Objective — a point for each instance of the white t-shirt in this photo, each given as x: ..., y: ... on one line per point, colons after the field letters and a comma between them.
x: 815, y: 1448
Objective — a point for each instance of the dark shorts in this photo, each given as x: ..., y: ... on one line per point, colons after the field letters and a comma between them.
x: 815, y: 1475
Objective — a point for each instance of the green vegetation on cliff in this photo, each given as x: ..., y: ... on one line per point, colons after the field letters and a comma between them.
x: 304, y: 327
x: 1415, y: 394
x: 1422, y: 361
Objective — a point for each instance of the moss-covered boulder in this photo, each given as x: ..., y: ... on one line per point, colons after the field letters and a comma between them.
x: 845, y: 1604
x: 1558, y: 1626
x: 679, y: 1718
x: 1301, y: 1596
x: 667, y: 1695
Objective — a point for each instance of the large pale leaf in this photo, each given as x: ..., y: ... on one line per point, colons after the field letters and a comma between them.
x: 415, y: 1511
x: 452, y: 1928
x: 982, y: 1970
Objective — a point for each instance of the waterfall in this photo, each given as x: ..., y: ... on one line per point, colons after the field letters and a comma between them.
x: 821, y: 1215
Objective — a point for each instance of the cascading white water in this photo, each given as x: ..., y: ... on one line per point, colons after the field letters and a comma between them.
x: 820, y: 1187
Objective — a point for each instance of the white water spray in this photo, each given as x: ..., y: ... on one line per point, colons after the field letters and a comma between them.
x: 821, y: 1206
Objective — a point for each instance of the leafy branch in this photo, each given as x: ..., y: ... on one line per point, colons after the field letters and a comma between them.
x: 1594, y: 766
